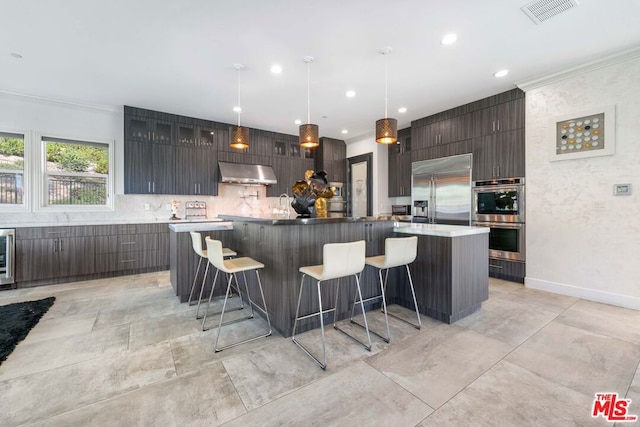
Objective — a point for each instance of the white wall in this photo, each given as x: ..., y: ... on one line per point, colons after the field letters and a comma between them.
x: 380, y: 169
x: 581, y: 239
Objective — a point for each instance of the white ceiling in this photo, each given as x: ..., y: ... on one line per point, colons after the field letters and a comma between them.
x: 178, y: 56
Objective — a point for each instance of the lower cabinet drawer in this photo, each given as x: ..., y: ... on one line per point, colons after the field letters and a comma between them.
x: 126, y: 261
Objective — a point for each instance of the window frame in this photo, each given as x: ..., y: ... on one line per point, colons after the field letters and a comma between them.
x: 26, y: 173
x: 41, y: 173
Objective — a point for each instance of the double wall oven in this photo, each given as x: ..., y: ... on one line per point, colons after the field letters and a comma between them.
x: 500, y: 205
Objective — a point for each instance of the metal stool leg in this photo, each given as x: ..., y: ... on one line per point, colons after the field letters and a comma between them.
x: 195, y: 277
x: 413, y: 293
x: 215, y: 278
x: 364, y: 315
x: 221, y: 323
x: 384, y: 309
x: 320, y: 313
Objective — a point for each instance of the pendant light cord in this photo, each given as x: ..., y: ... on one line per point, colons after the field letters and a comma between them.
x: 386, y: 77
x: 309, y: 92
x: 239, y: 108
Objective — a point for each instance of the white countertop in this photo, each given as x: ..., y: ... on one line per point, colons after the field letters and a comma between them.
x: 185, y: 227
x: 442, y: 230
x: 111, y: 222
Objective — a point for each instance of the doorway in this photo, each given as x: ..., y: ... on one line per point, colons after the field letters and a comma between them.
x: 359, y: 185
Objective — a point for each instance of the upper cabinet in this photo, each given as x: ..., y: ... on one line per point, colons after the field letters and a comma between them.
x: 400, y: 165
x: 331, y: 156
x: 502, y: 117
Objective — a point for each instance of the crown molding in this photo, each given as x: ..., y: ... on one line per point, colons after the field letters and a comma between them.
x: 615, y: 58
x: 67, y: 103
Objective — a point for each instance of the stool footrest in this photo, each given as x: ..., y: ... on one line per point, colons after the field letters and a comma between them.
x: 303, y: 348
x: 218, y: 349
x: 385, y: 339
x: 404, y: 320
x: 368, y: 347
x: 317, y: 313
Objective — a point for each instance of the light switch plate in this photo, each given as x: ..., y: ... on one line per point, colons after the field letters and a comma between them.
x: 621, y: 189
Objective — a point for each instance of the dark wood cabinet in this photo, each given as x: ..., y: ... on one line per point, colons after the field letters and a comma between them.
x: 53, y: 252
x: 400, y: 157
x: 196, y: 171
x: 508, y: 270
x: 331, y: 156
x: 502, y: 117
x: 131, y: 247
x: 148, y: 168
x: 499, y: 155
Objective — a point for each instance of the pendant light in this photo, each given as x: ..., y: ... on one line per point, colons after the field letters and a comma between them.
x: 309, y: 133
x: 387, y: 128
x: 239, y: 134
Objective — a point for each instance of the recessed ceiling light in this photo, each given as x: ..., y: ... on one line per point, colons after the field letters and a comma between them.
x: 449, y: 39
x: 351, y: 93
x: 237, y: 109
x: 501, y: 73
x: 402, y: 110
x: 276, y: 69
x: 298, y: 122
x: 16, y: 55
x: 344, y: 131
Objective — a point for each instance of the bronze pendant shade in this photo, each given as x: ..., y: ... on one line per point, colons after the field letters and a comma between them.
x: 240, y: 137
x: 386, y: 131
x: 387, y: 128
x: 309, y: 136
x: 309, y: 133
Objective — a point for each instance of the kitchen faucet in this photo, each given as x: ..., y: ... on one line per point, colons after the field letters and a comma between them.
x: 288, y: 203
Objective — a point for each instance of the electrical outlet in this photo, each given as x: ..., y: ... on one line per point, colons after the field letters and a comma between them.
x: 621, y: 189
x: 147, y: 207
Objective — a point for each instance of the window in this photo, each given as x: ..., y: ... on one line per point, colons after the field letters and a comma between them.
x: 12, y: 170
x: 75, y: 172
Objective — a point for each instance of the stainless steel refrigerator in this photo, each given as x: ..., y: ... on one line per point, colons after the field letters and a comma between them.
x: 441, y: 190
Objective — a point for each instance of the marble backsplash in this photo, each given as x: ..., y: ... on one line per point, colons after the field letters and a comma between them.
x: 232, y: 199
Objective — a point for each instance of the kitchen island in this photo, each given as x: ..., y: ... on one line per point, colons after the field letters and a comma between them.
x: 284, y: 245
x: 451, y: 271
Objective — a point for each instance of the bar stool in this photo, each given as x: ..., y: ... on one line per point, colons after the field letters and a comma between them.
x: 196, y: 242
x: 230, y: 267
x: 338, y: 260
x: 398, y: 251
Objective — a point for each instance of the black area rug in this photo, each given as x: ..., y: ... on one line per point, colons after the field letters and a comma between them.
x: 16, y: 320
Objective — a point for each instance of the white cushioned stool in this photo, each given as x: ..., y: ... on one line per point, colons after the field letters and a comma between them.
x: 196, y: 243
x: 231, y: 267
x: 338, y: 260
x: 398, y: 252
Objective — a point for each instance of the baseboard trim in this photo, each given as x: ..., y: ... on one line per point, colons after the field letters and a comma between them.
x: 584, y: 293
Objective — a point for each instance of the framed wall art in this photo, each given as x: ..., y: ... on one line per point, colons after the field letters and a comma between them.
x: 587, y: 133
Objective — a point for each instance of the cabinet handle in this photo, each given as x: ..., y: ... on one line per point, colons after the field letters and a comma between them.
x: 498, y: 124
x: 60, y: 245
x: 56, y: 232
x: 128, y: 243
x: 154, y: 186
x: 55, y: 245
x: 496, y: 266
x: 498, y: 167
x: 149, y: 185
x: 148, y: 135
x: 128, y: 260
x: 493, y: 123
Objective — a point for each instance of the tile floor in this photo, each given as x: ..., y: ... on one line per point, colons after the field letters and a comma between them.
x: 123, y: 352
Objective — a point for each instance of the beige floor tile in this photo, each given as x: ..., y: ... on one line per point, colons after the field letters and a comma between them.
x: 192, y: 352
x: 438, y: 364
x: 158, y: 329
x: 503, y: 286
x: 604, y: 319
x: 508, y: 395
x: 49, y: 354
x: 547, y: 301
x: 203, y: 398
x: 357, y: 396
x: 45, y: 394
x: 49, y: 329
x: 634, y: 393
x: 507, y: 320
x: 586, y: 362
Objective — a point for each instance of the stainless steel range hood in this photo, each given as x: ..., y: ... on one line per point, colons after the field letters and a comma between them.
x: 240, y: 173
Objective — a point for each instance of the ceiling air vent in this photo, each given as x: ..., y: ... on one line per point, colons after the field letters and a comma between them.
x: 541, y: 10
